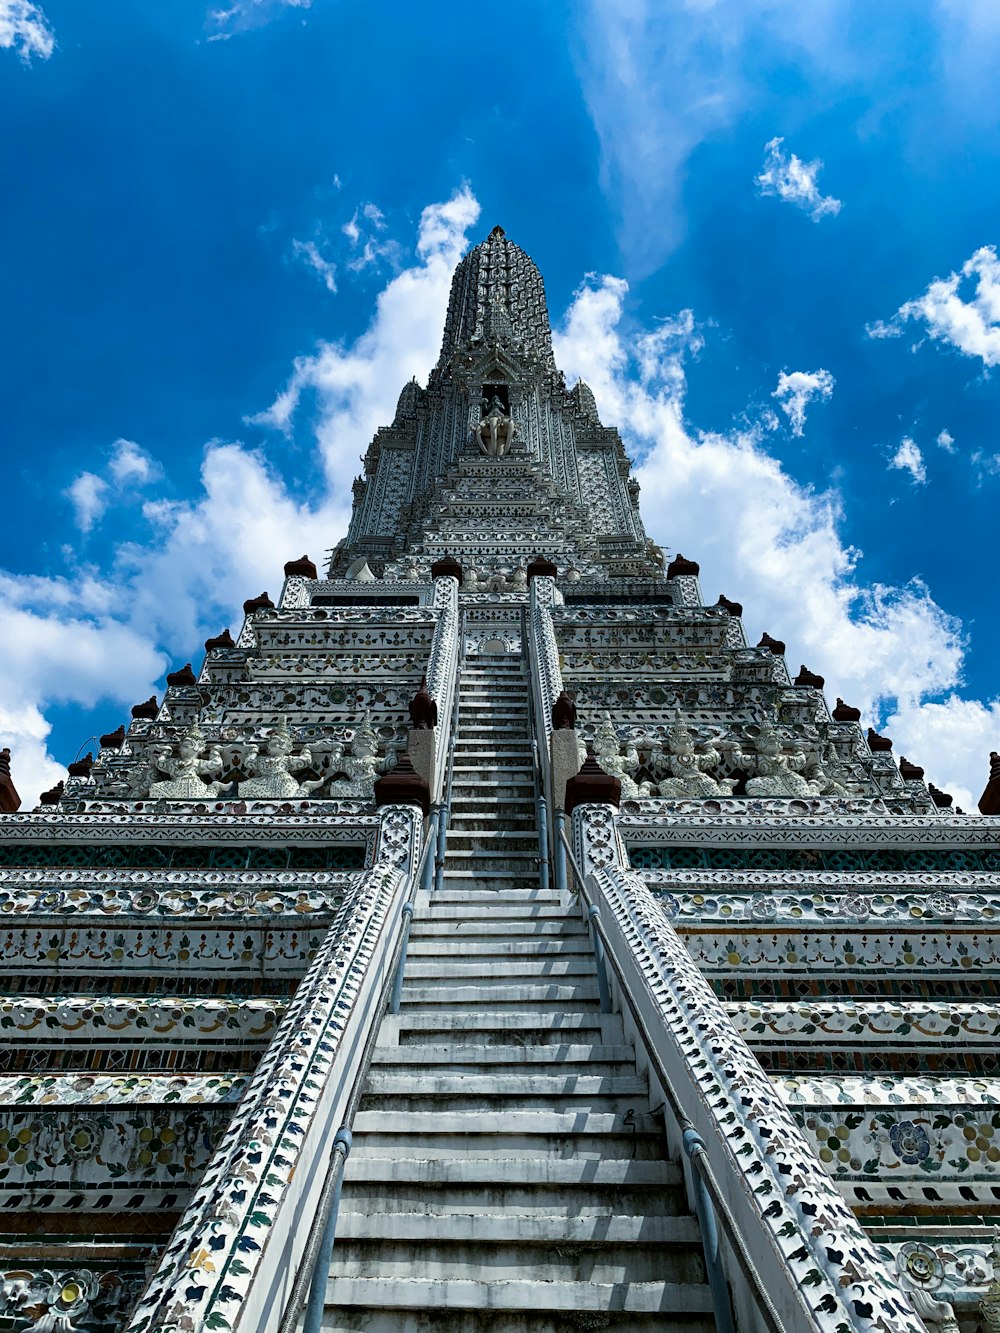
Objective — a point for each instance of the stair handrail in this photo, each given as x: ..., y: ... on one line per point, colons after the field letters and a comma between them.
x: 444, y: 805
x: 539, y: 772
x: 856, y: 1265
x: 442, y: 663
x: 709, y: 1200
x: 313, y: 1271
x: 545, y: 683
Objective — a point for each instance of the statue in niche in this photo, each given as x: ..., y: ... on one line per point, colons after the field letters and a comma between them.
x: 689, y: 772
x: 362, y: 765
x: 190, y: 777
x: 621, y: 761
x: 496, y: 430
x: 785, y: 772
x: 272, y: 771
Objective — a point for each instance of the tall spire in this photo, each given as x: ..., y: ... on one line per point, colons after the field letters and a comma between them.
x: 498, y: 297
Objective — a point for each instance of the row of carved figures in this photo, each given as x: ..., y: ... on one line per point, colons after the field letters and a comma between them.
x: 686, y: 767
x: 191, y: 768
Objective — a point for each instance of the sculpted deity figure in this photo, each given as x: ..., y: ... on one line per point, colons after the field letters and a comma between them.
x: 620, y: 761
x: 496, y: 430
x: 362, y: 765
x: 779, y: 773
x: 688, y: 770
x: 274, y: 768
x: 187, y: 769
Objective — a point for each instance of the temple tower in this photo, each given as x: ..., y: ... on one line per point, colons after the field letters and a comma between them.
x: 495, y: 860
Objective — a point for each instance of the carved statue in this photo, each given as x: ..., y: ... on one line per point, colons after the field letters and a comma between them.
x: 187, y: 770
x: 782, y: 771
x: 620, y: 762
x: 990, y: 1304
x: 362, y: 765
x: 273, y: 770
x: 689, y: 771
x: 496, y: 430
x: 936, y: 1314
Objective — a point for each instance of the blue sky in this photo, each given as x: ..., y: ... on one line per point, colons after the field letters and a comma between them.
x: 767, y: 235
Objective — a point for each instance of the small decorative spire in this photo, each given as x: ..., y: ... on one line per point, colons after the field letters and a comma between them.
x: 845, y: 713
x: 680, y: 565
x: 809, y: 679
x: 989, y: 802
x: 223, y: 640
x: 909, y: 772
x: 735, y: 609
x: 114, y: 740
x: 403, y: 785
x: 302, y: 568
x: 775, y: 645
x: 80, y: 768
x: 423, y: 709
x: 878, y: 744
x: 184, y: 677
x: 540, y: 568
x: 563, y: 713
x: 54, y: 794
x: 942, y: 799
x: 9, y: 799
x: 146, y: 711
x: 446, y: 567
x: 592, y: 786
x: 260, y: 603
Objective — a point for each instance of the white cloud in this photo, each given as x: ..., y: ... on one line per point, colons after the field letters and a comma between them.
x: 308, y: 252
x: 130, y: 465
x: 24, y: 27
x: 797, y: 389
x: 244, y: 15
x: 89, y: 495
x: 355, y: 386
x: 951, y: 740
x: 908, y: 458
x: 968, y: 320
x: 108, y: 635
x: 768, y: 541
x: 787, y: 177
x: 946, y: 441
x: 369, y: 245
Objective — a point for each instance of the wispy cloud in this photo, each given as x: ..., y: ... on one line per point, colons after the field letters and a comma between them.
x: 908, y: 458
x: 787, y: 177
x: 797, y: 389
x: 88, y: 494
x: 366, y: 233
x: 130, y: 465
x: 325, y: 269
x: 961, y: 310
x: 24, y: 27
x: 244, y: 15
x: 946, y: 441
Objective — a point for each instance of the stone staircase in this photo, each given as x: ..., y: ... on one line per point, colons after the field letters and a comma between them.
x: 507, y: 1173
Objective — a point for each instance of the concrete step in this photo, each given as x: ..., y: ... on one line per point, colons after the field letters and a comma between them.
x: 517, y: 967
x: 551, y: 1259
x: 485, y: 927
x: 544, y: 994
x: 501, y: 909
x: 487, y: 896
x: 502, y: 948
x: 440, y: 1058
x: 502, y: 1229
x: 365, y: 1320
x: 456, y: 1294
x: 612, y: 1094
x: 367, y: 1165
x: 530, y: 1027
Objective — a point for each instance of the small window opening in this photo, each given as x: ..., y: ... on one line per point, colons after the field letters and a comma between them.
x: 501, y: 391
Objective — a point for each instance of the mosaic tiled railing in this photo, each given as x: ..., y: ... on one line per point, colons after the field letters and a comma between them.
x: 902, y: 860
x: 163, y: 856
x: 819, y: 1266
x: 228, y: 1260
